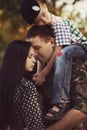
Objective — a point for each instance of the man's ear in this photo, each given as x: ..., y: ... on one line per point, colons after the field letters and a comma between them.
x: 52, y: 40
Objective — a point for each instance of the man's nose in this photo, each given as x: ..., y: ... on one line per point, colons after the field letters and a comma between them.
x: 35, y: 53
x: 34, y: 59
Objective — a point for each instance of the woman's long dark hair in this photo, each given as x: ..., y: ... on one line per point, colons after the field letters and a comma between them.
x: 11, y: 72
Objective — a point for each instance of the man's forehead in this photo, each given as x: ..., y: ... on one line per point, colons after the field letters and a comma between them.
x: 37, y: 46
x: 31, y: 40
x: 35, y: 40
x: 34, y: 44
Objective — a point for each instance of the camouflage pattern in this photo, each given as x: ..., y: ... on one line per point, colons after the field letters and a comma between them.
x: 79, y: 86
x: 78, y: 90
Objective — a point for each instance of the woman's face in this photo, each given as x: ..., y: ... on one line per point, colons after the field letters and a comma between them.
x: 30, y: 61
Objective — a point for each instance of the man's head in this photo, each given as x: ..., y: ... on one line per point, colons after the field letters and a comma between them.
x: 42, y: 40
x: 35, y: 12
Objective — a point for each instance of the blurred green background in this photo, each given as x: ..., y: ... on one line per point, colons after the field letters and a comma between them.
x: 12, y: 26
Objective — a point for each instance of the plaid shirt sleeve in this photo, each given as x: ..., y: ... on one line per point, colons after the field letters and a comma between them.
x: 61, y: 33
x: 65, y: 32
x: 75, y: 30
x: 76, y: 34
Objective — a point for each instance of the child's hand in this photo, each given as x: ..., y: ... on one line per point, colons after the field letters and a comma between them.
x: 39, y: 78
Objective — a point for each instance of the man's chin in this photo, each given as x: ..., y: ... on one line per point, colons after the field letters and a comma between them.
x: 42, y: 62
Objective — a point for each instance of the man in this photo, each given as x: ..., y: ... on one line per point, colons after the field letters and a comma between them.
x: 43, y: 43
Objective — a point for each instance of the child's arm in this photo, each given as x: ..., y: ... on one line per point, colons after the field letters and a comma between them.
x: 36, y: 76
x: 39, y: 66
x: 41, y: 76
x: 49, y: 66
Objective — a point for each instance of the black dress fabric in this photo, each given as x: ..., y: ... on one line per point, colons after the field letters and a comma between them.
x: 28, y: 106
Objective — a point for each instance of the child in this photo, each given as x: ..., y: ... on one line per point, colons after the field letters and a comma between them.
x: 36, y: 12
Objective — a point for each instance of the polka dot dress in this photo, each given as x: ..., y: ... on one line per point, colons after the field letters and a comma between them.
x: 28, y: 107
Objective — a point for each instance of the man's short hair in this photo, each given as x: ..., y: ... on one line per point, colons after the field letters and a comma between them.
x: 44, y: 31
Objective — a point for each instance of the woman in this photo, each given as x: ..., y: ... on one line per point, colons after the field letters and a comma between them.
x: 20, y: 105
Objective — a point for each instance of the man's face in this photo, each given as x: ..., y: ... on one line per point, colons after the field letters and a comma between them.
x: 43, y: 49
